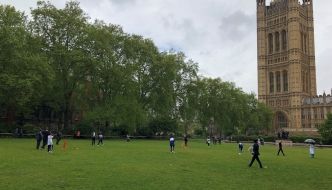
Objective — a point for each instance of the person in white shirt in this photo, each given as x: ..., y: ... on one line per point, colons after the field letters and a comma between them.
x: 208, y: 141
x: 93, y: 138
x: 50, y: 142
x: 128, y: 138
x: 172, y: 144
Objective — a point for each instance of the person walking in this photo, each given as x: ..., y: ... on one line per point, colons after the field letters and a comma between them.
x: 58, y: 137
x: 172, y: 144
x: 45, y: 137
x: 39, y: 137
x: 128, y: 138
x: 240, y: 148
x: 93, y: 138
x: 255, y: 154
x: 100, y: 139
x: 280, y: 148
x: 50, y: 142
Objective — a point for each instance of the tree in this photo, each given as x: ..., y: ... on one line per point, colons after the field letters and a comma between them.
x: 24, y: 72
x: 325, y: 129
x: 67, y: 47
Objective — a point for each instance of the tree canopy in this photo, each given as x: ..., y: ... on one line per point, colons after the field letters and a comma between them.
x: 122, y: 82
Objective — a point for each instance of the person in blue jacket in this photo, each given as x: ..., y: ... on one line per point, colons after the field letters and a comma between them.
x: 240, y: 148
x: 172, y: 144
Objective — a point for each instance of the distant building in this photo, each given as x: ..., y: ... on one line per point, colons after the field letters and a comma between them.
x: 286, y: 65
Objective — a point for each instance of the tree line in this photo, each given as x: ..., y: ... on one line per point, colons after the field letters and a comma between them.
x: 61, y: 59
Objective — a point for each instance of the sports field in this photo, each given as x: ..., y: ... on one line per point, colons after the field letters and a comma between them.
x: 148, y: 164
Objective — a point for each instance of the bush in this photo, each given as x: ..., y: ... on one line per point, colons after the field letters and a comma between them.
x: 8, y: 128
x: 301, y: 139
x: 29, y: 128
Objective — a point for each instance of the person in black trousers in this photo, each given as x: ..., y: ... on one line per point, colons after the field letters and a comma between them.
x: 39, y: 137
x: 185, y: 141
x: 58, y: 137
x: 45, y: 137
x: 255, y: 154
x: 280, y: 148
x: 93, y: 138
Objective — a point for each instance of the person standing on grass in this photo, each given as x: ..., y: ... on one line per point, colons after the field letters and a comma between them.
x: 58, y: 137
x: 100, y: 139
x: 50, y: 142
x: 312, y: 150
x: 93, y: 138
x: 208, y: 140
x: 240, y: 148
x: 45, y: 137
x: 39, y: 137
x: 128, y: 138
x: 280, y: 148
x: 172, y: 144
x: 255, y: 154
x: 185, y: 141
x: 21, y: 133
x: 78, y: 135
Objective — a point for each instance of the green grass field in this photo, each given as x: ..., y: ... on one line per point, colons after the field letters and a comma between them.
x: 148, y: 164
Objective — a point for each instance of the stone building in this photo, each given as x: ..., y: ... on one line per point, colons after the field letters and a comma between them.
x: 286, y: 65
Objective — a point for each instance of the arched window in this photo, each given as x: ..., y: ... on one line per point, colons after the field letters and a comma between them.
x: 271, y: 83
x: 271, y: 43
x: 285, y: 81
x: 277, y: 42
x: 278, y: 81
x: 284, y: 40
x: 281, y: 121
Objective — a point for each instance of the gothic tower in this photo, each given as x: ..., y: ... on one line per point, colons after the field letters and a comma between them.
x: 285, y: 58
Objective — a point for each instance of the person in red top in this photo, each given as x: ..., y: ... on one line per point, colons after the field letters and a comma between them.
x: 78, y: 134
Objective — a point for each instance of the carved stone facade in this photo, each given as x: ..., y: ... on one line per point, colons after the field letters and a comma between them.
x: 286, y: 64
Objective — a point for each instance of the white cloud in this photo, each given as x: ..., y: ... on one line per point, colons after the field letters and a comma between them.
x: 219, y: 35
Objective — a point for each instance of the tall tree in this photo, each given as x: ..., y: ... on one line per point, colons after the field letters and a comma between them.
x: 67, y: 47
x: 24, y: 72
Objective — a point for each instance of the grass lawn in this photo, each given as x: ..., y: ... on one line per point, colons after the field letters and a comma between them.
x: 148, y: 164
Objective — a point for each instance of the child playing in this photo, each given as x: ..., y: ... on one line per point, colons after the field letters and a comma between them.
x: 50, y: 142
x: 100, y: 139
x: 208, y: 141
x: 240, y: 148
x: 171, y: 143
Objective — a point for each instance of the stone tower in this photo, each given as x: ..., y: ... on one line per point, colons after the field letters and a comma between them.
x: 285, y: 58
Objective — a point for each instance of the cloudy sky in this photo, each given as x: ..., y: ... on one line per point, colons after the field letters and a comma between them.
x: 218, y: 34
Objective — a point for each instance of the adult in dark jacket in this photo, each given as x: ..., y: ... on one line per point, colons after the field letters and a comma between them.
x: 58, y: 137
x: 39, y: 137
x: 280, y: 148
x: 45, y: 137
x: 255, y: 154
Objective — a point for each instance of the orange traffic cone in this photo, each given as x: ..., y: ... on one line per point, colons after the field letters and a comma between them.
x: 64, y: 145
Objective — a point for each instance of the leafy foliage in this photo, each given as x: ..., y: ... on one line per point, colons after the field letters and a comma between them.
x: 325, y: 129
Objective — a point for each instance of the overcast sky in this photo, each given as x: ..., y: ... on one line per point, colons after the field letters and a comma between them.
x: 218, y: 34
